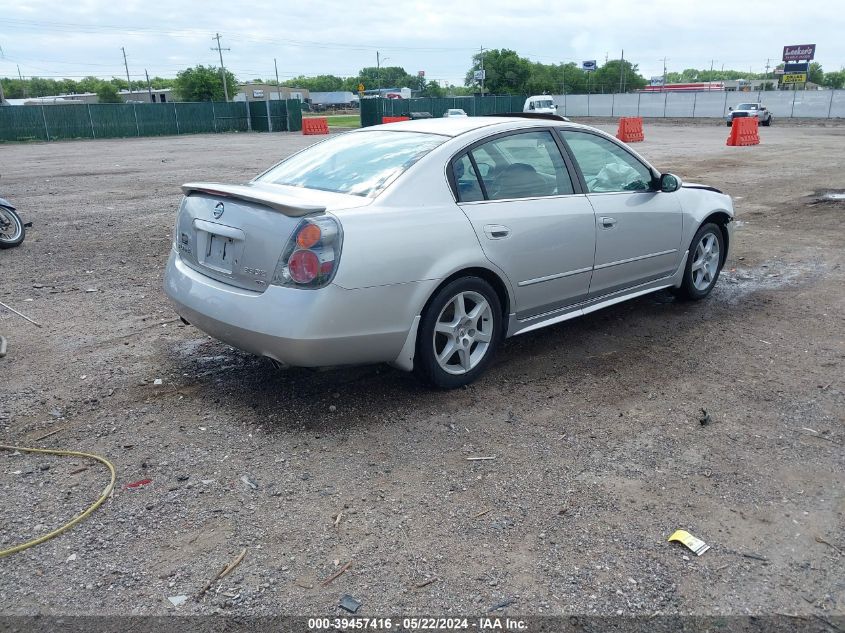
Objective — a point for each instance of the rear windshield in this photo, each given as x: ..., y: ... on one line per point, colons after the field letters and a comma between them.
x: 359, y: 163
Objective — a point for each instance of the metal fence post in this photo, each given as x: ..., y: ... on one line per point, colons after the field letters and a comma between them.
x: 213, y: 117
x: 287, y: 113
x: 91, y: 121
x: 725, y: 106
x: 639, y: 96
x: 830, y: 106
x: 135, y: 112
x: 44, y: 118
x: 248, y: 116
x: 792, y: 111
x: 588, y: 104
x: 612, y: 103
x: 176, y: 116
x: 269, y: 118
x: 665, y: 99
x: 694, y: 99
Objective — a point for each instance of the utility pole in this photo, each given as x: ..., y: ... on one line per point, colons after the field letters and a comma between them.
x: 222, y: 68
x: 278, y: 88
x: 622, y: 73
x: 378, y: 72
x: 23, y: 85
x: 481, y: 58
x: 665, y: 59
x: 149, y: 86
x: 126, y: 66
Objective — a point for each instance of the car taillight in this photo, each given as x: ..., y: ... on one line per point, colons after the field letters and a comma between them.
x: 310, y: 258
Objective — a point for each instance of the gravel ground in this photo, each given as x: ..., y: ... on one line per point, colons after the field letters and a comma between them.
x: 594, y: 424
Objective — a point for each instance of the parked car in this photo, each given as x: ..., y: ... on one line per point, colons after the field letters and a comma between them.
x: 750, y: 109
x: 454, y: 112
x: 425, y: 243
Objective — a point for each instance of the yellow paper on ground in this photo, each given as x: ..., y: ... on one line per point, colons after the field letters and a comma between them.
x: 695, y: 544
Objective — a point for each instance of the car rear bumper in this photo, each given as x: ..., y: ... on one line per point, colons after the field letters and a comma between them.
x: 303, y: 328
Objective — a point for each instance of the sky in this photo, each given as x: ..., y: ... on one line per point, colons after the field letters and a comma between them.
x: 76, y: 38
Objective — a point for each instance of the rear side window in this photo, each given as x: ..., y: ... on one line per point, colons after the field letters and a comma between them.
x: 469, y: 188
x: 606, y: 166
x: 359, y: 163
x: 525, y: 165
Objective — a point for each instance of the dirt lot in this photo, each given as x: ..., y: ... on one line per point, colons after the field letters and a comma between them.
x: 594, y: 423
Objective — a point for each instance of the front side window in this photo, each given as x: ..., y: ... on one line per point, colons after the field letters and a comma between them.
x: 606, y: 166
x: 359, y: 163
x: 525, y: 165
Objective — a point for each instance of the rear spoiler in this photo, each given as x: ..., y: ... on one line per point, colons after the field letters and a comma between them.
x: 289, y: 205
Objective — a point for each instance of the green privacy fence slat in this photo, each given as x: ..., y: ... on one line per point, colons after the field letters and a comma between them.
x: 21, y: 124
x: 115, y: 120
x: 372, y: 110
x: 294, y: 107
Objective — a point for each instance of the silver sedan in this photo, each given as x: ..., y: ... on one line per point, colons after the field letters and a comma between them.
x: 424, y: 244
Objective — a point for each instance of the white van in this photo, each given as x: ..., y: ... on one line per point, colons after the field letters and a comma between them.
x: 541, y: 104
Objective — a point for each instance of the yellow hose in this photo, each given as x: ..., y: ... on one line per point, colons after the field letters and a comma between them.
x: 106, y: 492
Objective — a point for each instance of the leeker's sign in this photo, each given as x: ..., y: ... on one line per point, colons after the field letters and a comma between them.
x: 799, y: 52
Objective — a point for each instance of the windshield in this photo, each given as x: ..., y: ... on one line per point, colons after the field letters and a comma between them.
x: 747, y: 106
x: 359, y: 163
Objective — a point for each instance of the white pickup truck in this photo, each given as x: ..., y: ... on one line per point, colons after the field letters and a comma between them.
x: 764, y: 117
x: 541, y: 104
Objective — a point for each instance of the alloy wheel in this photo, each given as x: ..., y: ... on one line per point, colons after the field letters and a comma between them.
x: 705, y: 264
x: 463, y: 332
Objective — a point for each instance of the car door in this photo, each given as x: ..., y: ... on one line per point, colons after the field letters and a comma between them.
x: 638, y: 227
x: 530, y: 219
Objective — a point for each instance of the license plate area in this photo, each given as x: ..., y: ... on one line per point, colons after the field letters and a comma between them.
x: 219, y: 247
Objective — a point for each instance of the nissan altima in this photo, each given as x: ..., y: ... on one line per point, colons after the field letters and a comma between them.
x: 424, y: 244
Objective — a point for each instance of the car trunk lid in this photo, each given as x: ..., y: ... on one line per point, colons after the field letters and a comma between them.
x: 236, y: 233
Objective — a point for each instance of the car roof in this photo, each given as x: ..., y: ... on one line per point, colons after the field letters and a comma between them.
x: 457, y: 126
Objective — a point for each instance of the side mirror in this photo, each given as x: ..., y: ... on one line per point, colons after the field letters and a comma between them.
x: 669, y: 183
x: 730, y: 108
x: 554, y: 105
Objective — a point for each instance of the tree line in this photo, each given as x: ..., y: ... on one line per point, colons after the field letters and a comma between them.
x: 505, y: 72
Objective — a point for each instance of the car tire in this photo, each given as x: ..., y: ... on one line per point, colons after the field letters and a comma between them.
x: 767, y: 122
x: 728, y: 123
x: 466, y: 317
x: 704, y: 263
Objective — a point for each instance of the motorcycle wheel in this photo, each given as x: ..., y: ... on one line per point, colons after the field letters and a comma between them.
x: 12, y: 230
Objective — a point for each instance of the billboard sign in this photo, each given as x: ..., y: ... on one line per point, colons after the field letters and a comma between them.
x: 794, y: 78
x: 799, y: 52
x: 588, y: 65
x: 478, y: 75
x: 797, y: 67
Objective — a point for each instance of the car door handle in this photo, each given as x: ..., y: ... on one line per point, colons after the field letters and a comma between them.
x: 496, y: 231
x: 607, y: 223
